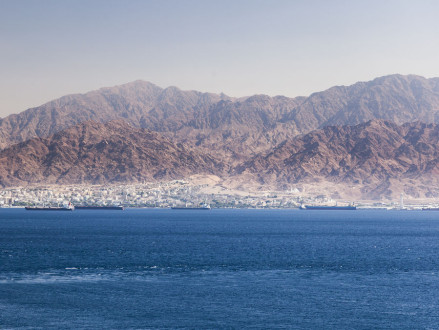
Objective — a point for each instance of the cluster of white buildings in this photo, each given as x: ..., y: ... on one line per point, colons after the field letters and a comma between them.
x: 164, y: 194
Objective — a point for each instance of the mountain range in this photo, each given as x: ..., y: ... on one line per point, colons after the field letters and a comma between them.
x: 361, y: 135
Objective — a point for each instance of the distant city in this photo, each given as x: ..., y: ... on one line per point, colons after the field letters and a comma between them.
x: 174, y: 193
x: 158, y: 195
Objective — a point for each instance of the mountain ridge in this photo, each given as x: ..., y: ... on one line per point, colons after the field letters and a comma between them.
x: 258, y: 122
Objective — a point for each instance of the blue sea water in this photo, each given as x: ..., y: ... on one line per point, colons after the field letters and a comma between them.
x: 219, y: 269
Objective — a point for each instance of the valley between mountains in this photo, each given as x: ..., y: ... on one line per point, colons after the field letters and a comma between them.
x: 370, y: 140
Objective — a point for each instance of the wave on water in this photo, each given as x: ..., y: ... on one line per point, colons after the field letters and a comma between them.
x: 74, y: 275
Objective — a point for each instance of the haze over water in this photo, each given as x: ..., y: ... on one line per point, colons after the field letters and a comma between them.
x: 219, y: 268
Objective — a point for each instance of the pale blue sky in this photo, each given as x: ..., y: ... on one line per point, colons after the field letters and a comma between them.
x: 49, y: 48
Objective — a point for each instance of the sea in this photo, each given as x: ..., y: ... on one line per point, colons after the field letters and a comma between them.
x: 223, y: 268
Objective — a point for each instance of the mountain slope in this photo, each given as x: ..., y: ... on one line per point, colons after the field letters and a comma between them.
x: 101, y: 153
x: 368, y: 155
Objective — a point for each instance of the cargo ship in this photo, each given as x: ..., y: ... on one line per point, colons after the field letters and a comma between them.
x: 201, y: 207
x: 329, y: 208
x: 110, y: 208
x: 69, y: 207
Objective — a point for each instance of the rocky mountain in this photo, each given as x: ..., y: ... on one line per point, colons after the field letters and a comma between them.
x: 237, y: 129
x: 396, y: 98
x: 372, y: 160
x: 358, y: 137
x: 130, y: 102
x: 371, y: 156
x: 95, y: 153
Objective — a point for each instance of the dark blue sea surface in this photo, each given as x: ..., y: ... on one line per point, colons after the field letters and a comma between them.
x: 219, y: 269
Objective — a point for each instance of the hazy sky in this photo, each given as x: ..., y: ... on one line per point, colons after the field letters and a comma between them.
x: 49, y: 48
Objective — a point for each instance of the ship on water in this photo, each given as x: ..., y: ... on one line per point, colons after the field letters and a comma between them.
x: 97, y: 207
x: 68, y: 207
x: 328, y: 207
x: 186, y: 207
